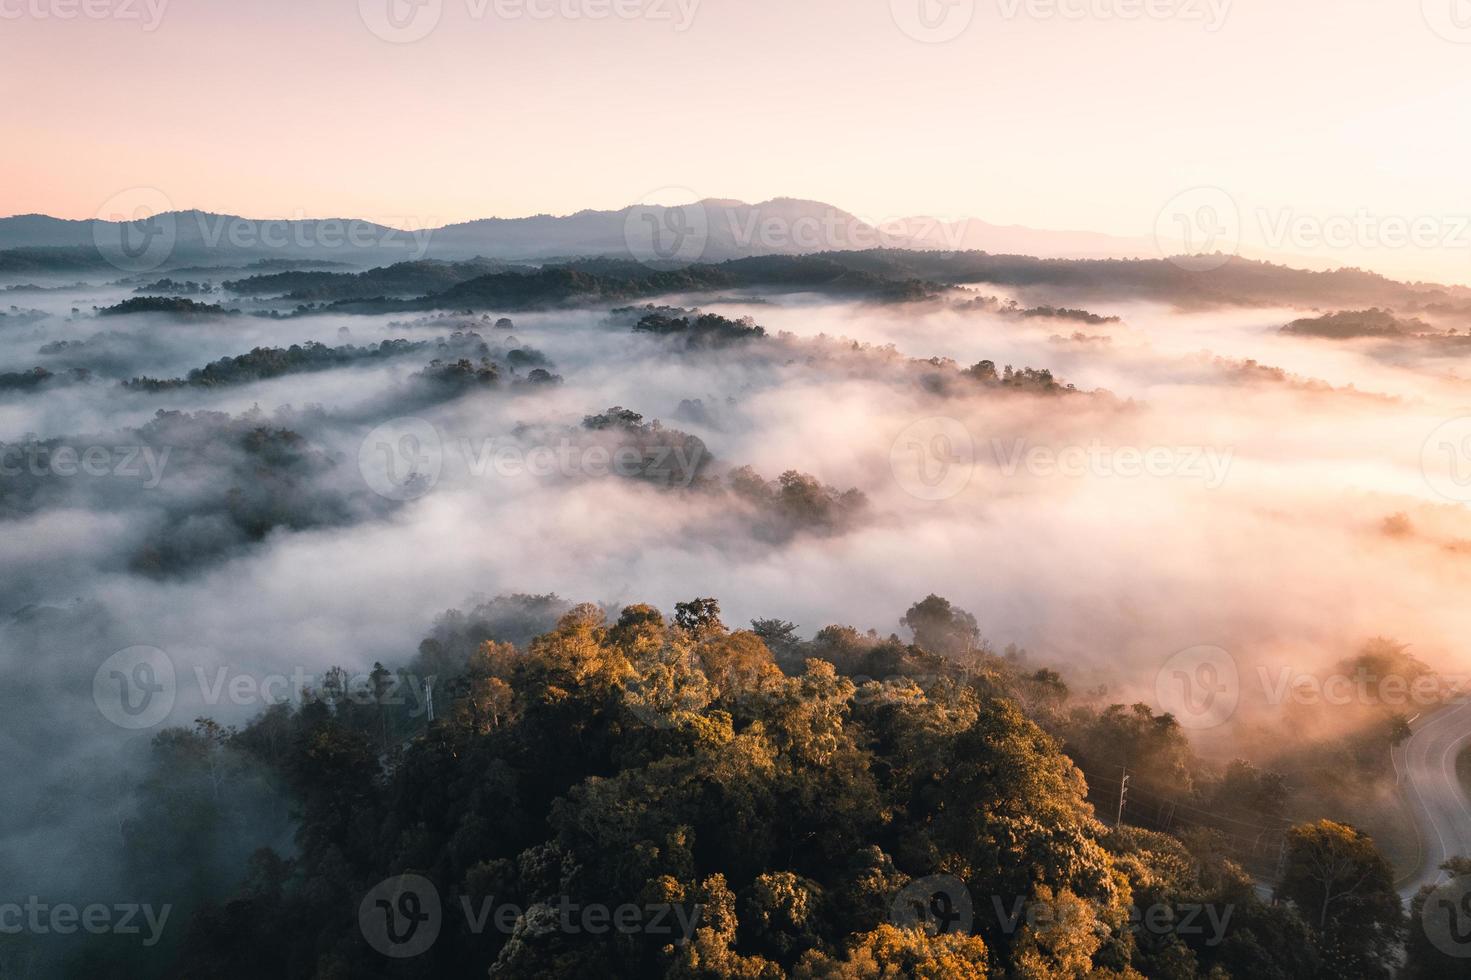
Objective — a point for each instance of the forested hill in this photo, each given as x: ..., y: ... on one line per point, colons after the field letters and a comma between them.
x: 886, y: 275
x: 602, y: 793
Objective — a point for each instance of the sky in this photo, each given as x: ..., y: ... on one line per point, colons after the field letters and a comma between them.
x: 1329, y: 127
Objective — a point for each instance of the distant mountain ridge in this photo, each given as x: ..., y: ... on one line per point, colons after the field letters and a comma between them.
x: 708, y: 230
x: 35, y: 247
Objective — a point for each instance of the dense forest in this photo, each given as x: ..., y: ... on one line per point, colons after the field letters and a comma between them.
x: 273, y: 362
x: 577, y: 791
x: 879, y: 275
x: 551, y: 789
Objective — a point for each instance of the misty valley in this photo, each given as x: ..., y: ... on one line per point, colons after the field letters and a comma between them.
x: 521, y: 606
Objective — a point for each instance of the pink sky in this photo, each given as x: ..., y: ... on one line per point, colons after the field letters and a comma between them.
x: 1321, y: 108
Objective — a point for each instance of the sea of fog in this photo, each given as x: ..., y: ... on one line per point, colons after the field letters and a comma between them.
x: 1195, y: 497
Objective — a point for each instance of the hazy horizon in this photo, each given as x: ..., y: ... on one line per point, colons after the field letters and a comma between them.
x: 1058, y: 114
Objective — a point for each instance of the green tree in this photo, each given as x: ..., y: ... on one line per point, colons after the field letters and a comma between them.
x: 700, y: 617
x: 1344, y: 889
x: 942, y: 628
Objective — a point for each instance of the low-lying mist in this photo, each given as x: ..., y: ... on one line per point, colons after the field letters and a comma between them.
x: 1164, y: 489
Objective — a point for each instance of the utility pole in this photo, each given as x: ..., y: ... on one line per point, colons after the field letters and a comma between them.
x: 1123, y: 791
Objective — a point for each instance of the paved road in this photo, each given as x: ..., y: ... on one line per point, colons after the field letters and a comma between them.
x: 1426, y: 765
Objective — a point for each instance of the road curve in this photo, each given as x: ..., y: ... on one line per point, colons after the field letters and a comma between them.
x: 1426, y: 767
